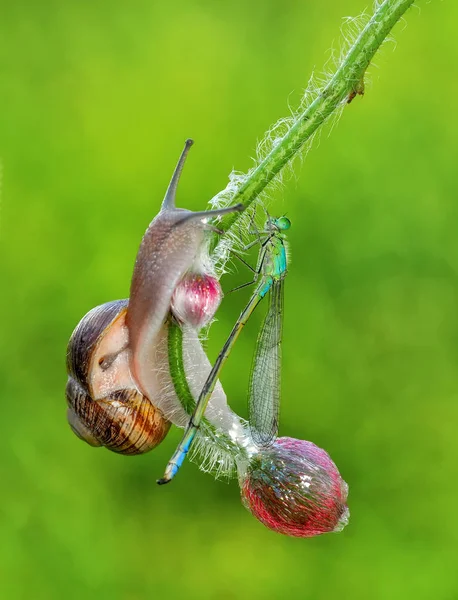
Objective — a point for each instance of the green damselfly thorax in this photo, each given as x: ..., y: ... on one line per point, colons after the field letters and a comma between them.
x: 264, y: 387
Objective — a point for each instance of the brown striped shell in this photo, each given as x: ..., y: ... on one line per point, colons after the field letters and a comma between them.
x: 105, y: 407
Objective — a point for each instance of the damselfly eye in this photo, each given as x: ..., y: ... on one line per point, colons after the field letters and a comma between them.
x: 283, y: 223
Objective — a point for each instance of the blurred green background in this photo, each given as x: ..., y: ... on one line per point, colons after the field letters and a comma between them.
x: 96, y: 100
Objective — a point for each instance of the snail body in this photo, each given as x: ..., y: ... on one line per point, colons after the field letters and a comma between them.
x: 173, y: 245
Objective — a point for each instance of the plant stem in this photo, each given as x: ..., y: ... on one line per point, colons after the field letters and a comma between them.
x: 217, y: 438
x: 347, y: 81
x: 176, y: 366
x: 344, y: 84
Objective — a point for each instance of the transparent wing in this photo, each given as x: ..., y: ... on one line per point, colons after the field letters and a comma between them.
x: 265, y: 377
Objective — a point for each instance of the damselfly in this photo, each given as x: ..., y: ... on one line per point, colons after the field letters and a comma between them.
x: 264, y: 387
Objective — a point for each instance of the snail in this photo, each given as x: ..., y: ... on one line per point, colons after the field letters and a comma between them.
x: 115, y: 357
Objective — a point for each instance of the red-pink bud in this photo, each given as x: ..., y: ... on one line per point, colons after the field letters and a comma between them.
x: 294, y: 488
x: 196, y: 299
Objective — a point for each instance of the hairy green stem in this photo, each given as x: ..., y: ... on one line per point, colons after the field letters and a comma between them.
x: 344, y: 84
x: 347, y: 81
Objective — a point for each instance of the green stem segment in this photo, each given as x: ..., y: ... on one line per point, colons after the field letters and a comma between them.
x: 219, y: 439
x: 176, y: 366
x: 347, y: 80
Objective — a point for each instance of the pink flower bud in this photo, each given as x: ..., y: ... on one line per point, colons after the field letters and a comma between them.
x: 295, y: 488
x: 196, y: 299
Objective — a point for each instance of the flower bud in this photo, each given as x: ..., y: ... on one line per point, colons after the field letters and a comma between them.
x: 294, y: 488
x: 196, y: 299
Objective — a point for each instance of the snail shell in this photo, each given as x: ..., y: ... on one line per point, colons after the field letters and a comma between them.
x: 105, y: 407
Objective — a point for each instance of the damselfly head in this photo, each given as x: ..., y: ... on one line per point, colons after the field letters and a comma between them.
x: 283, y: 223
x: 294, y: 488
x: 280, y: 224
